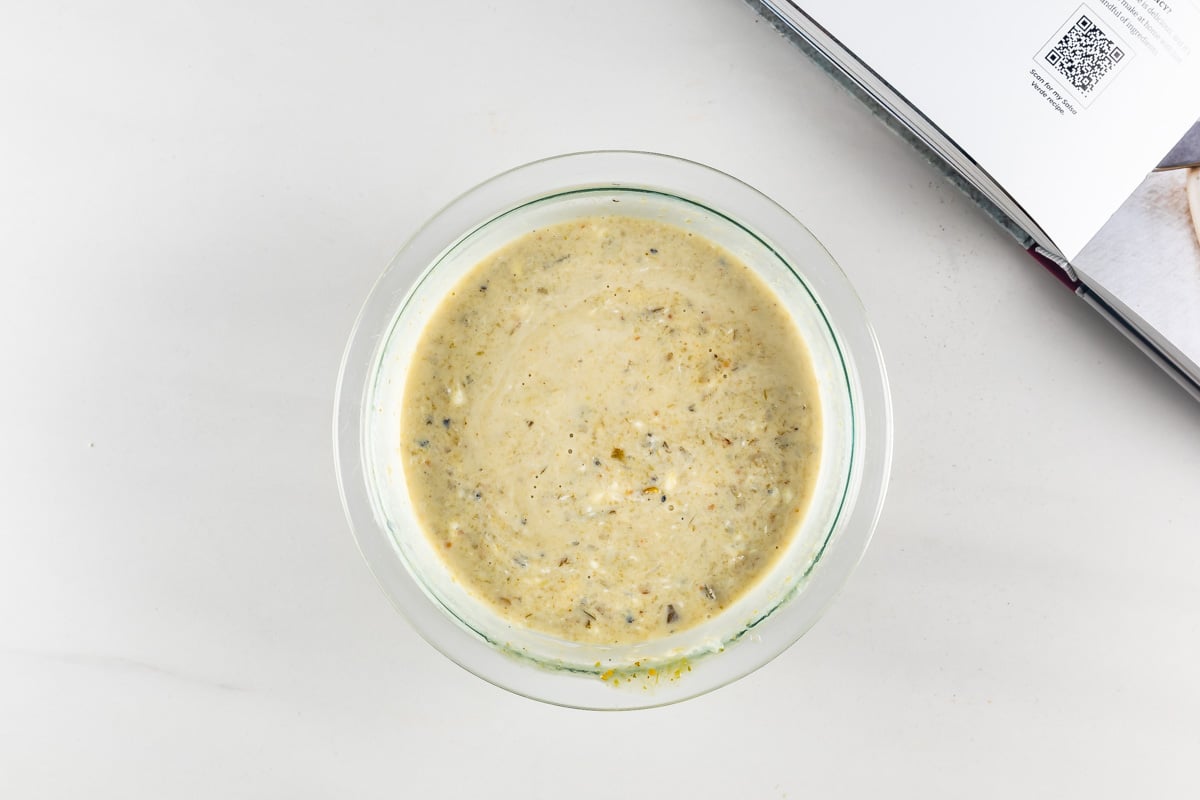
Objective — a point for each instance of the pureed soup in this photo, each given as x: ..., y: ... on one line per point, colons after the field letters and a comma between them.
x: 610, y: 430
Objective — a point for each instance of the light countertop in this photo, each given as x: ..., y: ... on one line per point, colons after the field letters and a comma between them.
x: 194, y: 201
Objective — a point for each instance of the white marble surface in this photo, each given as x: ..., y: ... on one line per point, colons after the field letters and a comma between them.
x: 195, y: 198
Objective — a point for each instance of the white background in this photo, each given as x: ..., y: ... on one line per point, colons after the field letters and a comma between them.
x: 194, y: 200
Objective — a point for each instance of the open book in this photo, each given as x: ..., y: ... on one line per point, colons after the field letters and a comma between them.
x: 1074, y: 124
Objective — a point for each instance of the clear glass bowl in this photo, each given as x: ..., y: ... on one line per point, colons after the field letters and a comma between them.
x: 856, y: 450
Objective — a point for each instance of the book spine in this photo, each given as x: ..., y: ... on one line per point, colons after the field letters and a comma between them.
x: 1059, y: 266
x: 895, y: 124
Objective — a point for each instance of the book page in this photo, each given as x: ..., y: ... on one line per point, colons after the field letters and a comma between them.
x: 1067, y: 105
x: 1145, y: 263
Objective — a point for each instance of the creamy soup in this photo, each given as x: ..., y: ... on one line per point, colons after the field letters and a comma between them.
x: 610, y: 430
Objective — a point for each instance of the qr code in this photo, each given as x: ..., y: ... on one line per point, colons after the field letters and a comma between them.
x: 1085, y: 55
